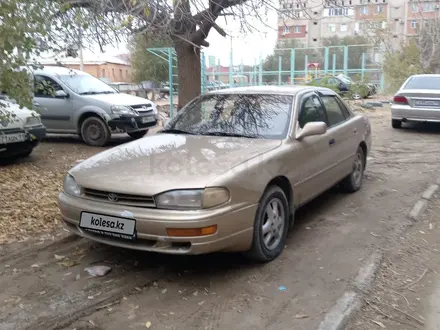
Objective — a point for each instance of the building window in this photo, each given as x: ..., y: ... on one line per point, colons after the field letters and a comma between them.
x: 113, y: 73
x: 428, y: 7
x: 103, y: 73
x: 126, y: 74
x: 414, y: 7
x: 296, y: 29
x: 338, y: 12
x: 332, y: 28
x: 379, y: 9
x: 286, y: 30
x: 414, y: 24
x: 120, y: 74
x: 364, y: 10
x: 343, y: 27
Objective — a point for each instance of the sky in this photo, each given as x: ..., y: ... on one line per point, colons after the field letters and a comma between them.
x: 246, y: 47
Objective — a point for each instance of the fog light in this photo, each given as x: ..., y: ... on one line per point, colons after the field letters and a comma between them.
x: 191, y: 232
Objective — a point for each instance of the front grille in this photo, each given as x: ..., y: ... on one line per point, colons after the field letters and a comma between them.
x: 122, y: 199
x: 142, y: 107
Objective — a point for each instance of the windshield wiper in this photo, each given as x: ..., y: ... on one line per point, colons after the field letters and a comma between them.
x: 175, y: 131
x: 229, y: 134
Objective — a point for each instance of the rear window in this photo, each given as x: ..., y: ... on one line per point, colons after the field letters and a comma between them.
x: 424, y: 82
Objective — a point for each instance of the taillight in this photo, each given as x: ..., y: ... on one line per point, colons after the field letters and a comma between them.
x: 400, y: 99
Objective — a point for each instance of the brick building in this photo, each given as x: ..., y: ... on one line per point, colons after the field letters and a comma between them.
x: 108, y: 68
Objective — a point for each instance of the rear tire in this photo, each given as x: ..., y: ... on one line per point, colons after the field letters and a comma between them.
x: 138, y: 134
x: 395, y: 123
x: 271, y: 226
x: 95, y: 132
x: 353, y: 181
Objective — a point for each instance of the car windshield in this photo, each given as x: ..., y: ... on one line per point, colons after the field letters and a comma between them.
x: 86, y: 85
x: 345, y: 79
x: 423, y: 82
x: 242, y: 115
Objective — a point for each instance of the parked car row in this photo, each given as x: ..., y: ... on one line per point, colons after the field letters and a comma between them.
x: 345, y: 85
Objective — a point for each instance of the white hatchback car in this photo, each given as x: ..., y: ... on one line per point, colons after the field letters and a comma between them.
x: 20, y: 129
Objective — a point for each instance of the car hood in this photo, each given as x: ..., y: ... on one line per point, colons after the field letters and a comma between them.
x: 120, y: 99
x: 12, y: 116
x: 164, y: 162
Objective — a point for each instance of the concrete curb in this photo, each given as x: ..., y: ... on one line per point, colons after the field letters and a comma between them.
x: 339, y: 315
x: 419, y: 208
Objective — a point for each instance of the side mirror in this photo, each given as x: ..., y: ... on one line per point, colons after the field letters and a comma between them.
x: 166, y: 122
x: 312, y: 128
x: 61, y: 94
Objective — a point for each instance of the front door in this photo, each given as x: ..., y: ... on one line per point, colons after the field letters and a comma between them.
x: 312, y: 154
x: 56, y: 112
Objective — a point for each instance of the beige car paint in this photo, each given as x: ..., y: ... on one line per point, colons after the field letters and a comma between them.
x: 245, y: 167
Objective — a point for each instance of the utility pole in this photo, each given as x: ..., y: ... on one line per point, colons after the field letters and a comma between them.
x: 81, y: 58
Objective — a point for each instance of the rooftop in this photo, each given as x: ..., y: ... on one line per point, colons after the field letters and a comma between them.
x: 88, y: 59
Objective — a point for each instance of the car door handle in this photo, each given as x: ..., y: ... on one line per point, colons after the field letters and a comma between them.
x: 332, y: 142
x: 36, y: 104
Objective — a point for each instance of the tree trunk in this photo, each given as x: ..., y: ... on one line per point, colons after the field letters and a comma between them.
x: 189, y: 72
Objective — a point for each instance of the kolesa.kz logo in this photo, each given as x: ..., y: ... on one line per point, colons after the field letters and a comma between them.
x: 98, y: 222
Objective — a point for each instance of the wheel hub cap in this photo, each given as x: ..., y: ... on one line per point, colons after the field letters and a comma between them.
x: 273, y: 224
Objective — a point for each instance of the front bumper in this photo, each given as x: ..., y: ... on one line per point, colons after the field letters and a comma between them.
x: 132, y: 123
x: 34, y: 135
x: 234, y: 226
x: 407, y: 113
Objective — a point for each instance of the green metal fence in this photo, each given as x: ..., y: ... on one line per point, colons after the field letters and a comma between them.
x: 287, y: 66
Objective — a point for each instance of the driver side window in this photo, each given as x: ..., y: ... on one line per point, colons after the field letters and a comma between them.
x: 311, y: 110
x: 46, y: 87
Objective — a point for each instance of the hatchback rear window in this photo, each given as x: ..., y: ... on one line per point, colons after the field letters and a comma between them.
x: 423, y: 82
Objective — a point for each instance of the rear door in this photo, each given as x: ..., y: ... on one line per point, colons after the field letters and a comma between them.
x: 343, y: 133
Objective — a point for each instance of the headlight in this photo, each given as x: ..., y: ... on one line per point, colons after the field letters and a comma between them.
x: 122, y: 110
x: 33, y: 120
x: 70, y: 186
x: 192, y: 199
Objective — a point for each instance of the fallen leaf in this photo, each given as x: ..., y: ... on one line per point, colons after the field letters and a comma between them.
x: 35, y: 266
x: 58, y: 257
x: 201, y: 303
x: 301, y: 316
x: 375, y: 235
x: 148, y: 325
x: 379, y: 324
x: 422, y: 232
x: 164, y: 291
x: 138, y: 288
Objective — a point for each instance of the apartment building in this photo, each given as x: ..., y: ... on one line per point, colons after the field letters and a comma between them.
x: 311, y: 21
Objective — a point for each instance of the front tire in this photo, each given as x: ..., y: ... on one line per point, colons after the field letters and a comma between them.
x: 353, y: 181
x: 95, y: 132
x: 138, y: 134
x: 26, y: 153
x: 395, y: 123
x: 271, y: 226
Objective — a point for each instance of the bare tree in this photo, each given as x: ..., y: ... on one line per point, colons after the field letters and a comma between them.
x: 187, y: 22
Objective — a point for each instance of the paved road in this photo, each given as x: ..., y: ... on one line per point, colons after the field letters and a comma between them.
x: 334, y: 234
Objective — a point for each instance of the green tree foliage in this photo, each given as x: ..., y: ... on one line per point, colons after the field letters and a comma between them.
x: 398, y: 66
x: 147, y: 66
x: 23, y: 34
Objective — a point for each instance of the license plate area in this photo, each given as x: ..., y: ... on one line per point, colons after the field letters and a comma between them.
x: 110, y: 226
x: 427, y: 103
x: 12, y: 138
x: 147, y: 119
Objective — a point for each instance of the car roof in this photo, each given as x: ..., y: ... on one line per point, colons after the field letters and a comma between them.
x: 57, y: 70
x: 426, y: 75
x: 286, y: 90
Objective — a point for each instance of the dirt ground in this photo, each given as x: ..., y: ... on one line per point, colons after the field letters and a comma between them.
x: 43, y: 284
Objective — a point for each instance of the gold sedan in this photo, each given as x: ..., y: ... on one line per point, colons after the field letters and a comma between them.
x: 226, y: 174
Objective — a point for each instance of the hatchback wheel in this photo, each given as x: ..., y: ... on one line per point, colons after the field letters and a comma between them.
x: 95, y: 132
x: 270, y: 226
x: 353, y: 181
x: 395, y: 123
